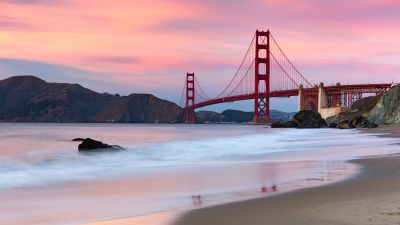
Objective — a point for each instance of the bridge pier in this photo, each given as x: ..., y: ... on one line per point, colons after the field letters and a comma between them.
x: 329, y: 105
x: 322, y: 98
x: 190, y: 116
x: 300, y: 99
x: 262, y: 77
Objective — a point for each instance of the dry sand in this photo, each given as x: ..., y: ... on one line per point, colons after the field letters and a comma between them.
x: 373, y: 197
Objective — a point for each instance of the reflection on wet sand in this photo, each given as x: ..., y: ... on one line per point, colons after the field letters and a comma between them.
x: 206, y: 185
x: 196, y: 199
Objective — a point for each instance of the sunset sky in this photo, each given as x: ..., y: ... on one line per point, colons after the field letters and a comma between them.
x: 137, y: 46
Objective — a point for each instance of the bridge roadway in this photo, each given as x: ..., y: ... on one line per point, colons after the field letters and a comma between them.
x: 330, y: 90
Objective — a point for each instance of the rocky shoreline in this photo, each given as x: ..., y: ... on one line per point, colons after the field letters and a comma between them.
x: 368, y: 112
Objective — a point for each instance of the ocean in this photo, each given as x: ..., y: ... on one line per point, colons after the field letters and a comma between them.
x: 45, y: 180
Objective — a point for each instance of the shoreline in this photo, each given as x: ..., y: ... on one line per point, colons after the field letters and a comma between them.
x: 339, y: 170
x: 368, y: 197
x: 371, y: 197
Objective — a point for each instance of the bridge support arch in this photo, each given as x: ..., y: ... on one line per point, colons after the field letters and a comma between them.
x: 190, y: 116
x: 308, y: 99
x: 262, y: 77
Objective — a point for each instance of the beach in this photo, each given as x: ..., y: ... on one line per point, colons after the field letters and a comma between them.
x: 165, y: 178
x: 370, y: 197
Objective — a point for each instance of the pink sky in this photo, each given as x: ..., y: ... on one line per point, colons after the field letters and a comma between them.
x: 130, y: 46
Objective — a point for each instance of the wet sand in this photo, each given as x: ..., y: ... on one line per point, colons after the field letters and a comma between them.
x: 159, y: 197
x: 153, y: 219
x: 373, y: 197
x: 392, y: 131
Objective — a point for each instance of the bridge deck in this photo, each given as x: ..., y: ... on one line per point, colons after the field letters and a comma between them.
x: 353, y: 88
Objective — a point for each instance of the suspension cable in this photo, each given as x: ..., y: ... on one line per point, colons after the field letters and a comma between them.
x: 183, y: 93
x: 240, y: 66
x: 284, y: 70
x: 201, y: 89
x: 290, y: 61
x: 252, y: 63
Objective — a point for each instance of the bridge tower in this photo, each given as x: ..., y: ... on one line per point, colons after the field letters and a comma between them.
x: 262, y: 77
x: 190, y: 116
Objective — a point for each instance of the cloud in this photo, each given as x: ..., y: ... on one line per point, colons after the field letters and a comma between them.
x: 341, y: 40
x: 195, y: 25
x: 47, y: 2
x: 12, y: 23
x: 115, y: 59
x: 48, y: 71
x: 118, y: 82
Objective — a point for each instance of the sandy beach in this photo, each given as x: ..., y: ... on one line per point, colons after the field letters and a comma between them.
x: 371, y: 197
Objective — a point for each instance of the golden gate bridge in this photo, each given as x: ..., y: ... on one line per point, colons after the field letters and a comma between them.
x: 265, y: 72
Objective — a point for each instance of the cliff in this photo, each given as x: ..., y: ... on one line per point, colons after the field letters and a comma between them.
x: 387, y: 110
x: 30, y: 99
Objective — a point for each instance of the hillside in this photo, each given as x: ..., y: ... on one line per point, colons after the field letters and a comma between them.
x: 237, y: 116
x: 30, y: 99
x: 387, y: 110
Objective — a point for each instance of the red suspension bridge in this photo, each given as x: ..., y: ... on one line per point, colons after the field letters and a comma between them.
x: 265, y: 72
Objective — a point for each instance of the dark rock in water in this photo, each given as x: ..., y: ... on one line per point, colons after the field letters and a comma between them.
x: 78, y: 139
x: 303, y: 119
x: 287, y: 124
x: 309, y: 119
x: 92, y: 145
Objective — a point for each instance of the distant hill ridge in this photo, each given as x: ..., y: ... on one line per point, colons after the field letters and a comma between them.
x: 237, y: 116
x: 31, y: 99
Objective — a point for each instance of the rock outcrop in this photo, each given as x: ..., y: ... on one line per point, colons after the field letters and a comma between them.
x: 30, y: 99
x: 356, y: 117
x: 303, y: 119
x: 309, y: 119
x: 286, y: 124
x: 93, y: 145
x: 387, y: 110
